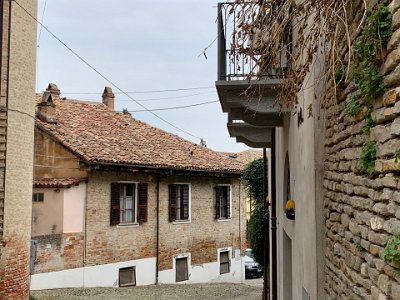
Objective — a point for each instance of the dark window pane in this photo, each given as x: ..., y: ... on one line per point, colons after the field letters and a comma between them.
x: 127, y: 276
x: 224, y: 262
x: 181, y: 269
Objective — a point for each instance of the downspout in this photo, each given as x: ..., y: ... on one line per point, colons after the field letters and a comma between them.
x: 273, y: 218
x: 240, y: 226
x: 85, y: 233
x: 158, y: 228
x: 266, y: 228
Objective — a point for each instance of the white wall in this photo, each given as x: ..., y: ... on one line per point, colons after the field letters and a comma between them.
x: 74, y: 201
x: 95, y: 276
x: 107, y: 275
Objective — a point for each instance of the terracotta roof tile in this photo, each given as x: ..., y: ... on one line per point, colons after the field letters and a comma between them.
x: 100, y: 135
x: 56, y: 183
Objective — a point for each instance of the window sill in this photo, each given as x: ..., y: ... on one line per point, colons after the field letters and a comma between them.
x: 127, y: 225
x: 181, y: 222
x: 225, y: 220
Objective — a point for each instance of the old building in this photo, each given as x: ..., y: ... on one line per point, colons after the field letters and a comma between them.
x: 17, y: 106
x: 335, y: 151
x: 117, y: 202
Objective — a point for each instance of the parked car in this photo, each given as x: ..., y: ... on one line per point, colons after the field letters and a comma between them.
x: 252, y: 268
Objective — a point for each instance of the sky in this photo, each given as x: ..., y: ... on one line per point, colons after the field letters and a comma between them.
x: 140, y: 46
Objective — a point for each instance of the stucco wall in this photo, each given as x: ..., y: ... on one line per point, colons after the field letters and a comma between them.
x: 47, y: 216
x: 74, y: 206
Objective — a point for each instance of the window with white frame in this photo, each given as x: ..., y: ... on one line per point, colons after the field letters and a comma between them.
x: 181, y: 268
x: 223, y: 202
x: 224, y: 262
x: 128, y: 203
x: 179, y: 202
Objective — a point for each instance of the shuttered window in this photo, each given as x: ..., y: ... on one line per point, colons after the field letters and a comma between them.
x: 179, y: 202
x: 128, y: 203
x: 223, y: 202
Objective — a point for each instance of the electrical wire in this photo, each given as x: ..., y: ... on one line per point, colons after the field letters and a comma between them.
x: 175, y: 107
x: 40, y: 30
x: 165, y: 98
x: 144, y: 92
x: 101, y: 74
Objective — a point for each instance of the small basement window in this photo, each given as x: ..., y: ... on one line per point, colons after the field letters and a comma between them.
x: 224, y: 264
x: 38, y: 197
x: 127, y: 276
x: 181, y: 269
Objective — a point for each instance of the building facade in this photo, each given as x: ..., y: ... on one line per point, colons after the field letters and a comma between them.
x: 17, y: 106
x: 144, y: 207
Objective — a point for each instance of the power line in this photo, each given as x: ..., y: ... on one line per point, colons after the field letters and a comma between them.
x: 143, y: 92
x: 101, y: 74
x: 40, y: 30
x: 176, y: 107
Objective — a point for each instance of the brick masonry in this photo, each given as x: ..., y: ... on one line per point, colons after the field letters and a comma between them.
x: 201, y: 237
x: 16, y: 159
x: 362, y: 211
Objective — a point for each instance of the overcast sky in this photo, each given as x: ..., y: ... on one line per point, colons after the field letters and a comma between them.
x: 140, y: 46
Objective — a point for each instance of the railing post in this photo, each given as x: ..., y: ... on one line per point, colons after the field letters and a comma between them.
x: 221, y: 45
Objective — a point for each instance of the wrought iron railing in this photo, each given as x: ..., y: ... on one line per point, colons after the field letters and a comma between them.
x: 240, y: 61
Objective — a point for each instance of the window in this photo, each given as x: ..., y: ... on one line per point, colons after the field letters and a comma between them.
x: 224, y: 262
x: 179, y: 202
x: 223, y: 202
x: 128, y: 203
x: 181, y: 265
x: 127, y: 276
x: 38, y: 197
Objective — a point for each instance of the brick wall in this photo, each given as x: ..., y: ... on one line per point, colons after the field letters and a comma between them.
x: 57, y: 252
x: 201, y: 237
x: 17, y: 106
x: 361, y: 210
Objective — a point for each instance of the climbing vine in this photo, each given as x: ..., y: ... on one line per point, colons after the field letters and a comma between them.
x: 391, y: 253
x: 368, y: 156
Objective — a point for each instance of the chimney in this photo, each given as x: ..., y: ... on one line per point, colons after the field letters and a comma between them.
x: 53, y: 89
x: 108, y: 98
x: 46, y: 108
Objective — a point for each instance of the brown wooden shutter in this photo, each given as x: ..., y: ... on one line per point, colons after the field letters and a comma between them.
x: 185, y: 202
x: 172, y: 202
x: 142, y: 202
x: 114, y: 207
x: 217, y: 203
x: 228, y: 202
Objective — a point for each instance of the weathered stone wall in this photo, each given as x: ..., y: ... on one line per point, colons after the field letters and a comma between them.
x: 362, y: 210
x: 17, y: 106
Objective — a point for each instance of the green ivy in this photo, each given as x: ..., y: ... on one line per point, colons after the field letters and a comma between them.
x: 368, y: 48
x: 369, y: 122
x: 368, y: 156
x: 353, y: 106
x: 391, y: 253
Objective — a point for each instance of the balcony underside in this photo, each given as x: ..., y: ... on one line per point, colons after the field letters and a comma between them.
x: 252, y: 110
x: 252, y: 136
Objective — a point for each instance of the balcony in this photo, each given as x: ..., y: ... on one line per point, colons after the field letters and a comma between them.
x: 249, y: 99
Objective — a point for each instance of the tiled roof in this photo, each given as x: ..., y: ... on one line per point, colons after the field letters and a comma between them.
x: 56, y: 183
x: 101, y: 136
x: 244, y: 157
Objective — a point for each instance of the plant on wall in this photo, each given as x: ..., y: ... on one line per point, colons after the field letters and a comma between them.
x: 368, y: 156
x: 391, y: 253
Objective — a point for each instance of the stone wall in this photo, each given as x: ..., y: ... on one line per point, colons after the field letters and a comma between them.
x: 17, y: 107
x: 361, y: 211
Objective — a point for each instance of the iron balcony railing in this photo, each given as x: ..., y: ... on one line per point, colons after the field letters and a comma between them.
x: 241, y: 62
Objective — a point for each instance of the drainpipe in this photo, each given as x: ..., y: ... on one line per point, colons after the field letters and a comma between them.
x: 266, y: 228
x: 273, y: 218
x: 85, y: 231
x: 158, y: 228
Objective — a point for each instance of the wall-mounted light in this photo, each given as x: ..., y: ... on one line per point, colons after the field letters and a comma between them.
x: 57, y: 190
x: 290, y: 209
